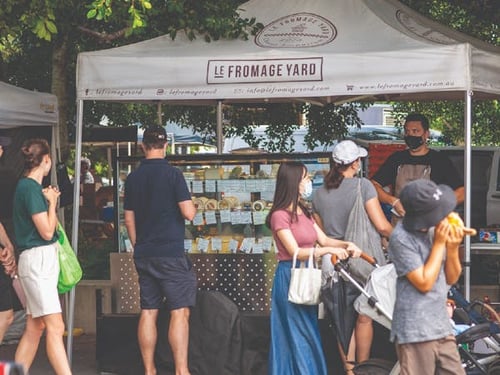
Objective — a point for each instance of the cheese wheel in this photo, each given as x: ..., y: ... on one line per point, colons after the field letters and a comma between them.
x: 211, y: 205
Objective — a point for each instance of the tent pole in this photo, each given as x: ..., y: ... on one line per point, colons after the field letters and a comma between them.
x: 74, y: 229
x: 219, y: 127
x: 467, y: 182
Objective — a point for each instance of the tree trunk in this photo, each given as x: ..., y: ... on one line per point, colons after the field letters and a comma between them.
x: 60, y: 89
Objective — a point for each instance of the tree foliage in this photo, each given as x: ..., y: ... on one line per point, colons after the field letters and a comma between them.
x: 480, y: 19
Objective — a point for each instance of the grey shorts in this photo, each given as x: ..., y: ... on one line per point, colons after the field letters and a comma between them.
x: 433, y: 357
x: 169, y: 279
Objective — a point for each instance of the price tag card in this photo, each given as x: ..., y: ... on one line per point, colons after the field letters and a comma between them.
x: 247, y: 244
x: 235, y: 217
x: 225, y: 216
x: 216, y: 244
x: 257, y: 248
x: 232, y: 186
x: 188, y: 246
x: 210, y: 217
x: 210, y: 186
x: 251, y: 186
x: 203, y: 245
x: 221, y: 186
x: 198, y: 219
x: 259, y: 217
x: 233, y: 246
x: 267, y: 243
x: 269, y: 185
x: 197, y: 186
x: 246, y: 217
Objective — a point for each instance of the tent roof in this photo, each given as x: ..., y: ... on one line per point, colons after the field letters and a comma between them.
x: 21, y: 107
x: 324, y: 50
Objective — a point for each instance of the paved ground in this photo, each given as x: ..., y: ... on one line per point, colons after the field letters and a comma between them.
x: 83, y: 363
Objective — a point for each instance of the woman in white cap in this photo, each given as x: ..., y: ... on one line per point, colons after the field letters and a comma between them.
x: 332, y: 205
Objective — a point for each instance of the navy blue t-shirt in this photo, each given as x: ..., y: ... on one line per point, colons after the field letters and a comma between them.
x: 153, y: 192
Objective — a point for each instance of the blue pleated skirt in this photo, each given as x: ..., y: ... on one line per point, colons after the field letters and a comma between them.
x: 296, y: 347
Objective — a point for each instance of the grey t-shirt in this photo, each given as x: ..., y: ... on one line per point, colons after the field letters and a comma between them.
x: 417, y: 316
x: 335, y: 205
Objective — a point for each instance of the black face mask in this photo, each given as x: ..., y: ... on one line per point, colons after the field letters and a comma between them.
x: 413, y: 142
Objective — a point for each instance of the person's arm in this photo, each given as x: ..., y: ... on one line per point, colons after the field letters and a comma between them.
x: 460, y: 194
x: 288, y: 240
x: 129, y: 218
x: 188, y: 210
x: 46, y: 221
x: 424, y: 277
x: 377, y: 217
x: 387, y: 198
x: 339, y: 246
x: 319, y: 221
x: 7, y: 257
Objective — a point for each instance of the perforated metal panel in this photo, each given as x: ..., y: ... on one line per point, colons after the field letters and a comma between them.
x: 244, y: 278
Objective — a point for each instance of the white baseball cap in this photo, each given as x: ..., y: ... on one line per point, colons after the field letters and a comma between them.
x: 346, y: 152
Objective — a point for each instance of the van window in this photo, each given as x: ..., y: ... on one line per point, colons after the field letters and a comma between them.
x: 498, y: 178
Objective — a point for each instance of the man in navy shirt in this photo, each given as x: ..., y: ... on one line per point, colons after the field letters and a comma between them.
x: 157, y: 202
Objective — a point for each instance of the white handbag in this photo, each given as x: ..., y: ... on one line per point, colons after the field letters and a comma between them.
x: 305, y: 282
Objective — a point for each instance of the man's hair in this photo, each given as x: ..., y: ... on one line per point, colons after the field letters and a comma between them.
x: 154, y: 137
x: 420, y: 118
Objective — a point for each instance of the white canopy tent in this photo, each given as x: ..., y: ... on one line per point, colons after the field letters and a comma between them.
x: 319, y: 51
x: 20, y: 107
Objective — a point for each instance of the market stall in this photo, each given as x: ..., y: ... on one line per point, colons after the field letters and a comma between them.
x: 317, y: 51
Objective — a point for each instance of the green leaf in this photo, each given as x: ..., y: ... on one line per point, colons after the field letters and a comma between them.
x: 51, y: 27
x: 91, y: 13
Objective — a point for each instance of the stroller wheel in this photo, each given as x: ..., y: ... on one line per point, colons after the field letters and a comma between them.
x: 494, y: 368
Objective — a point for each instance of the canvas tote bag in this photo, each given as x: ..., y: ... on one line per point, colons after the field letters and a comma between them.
x: 305, y: 282
x: 361, y: 231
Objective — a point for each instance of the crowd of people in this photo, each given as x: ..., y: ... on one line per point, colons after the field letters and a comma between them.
x: 422, y: 245
x: 423, y: 188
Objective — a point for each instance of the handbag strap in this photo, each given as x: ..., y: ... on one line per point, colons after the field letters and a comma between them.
x: 311, y: 258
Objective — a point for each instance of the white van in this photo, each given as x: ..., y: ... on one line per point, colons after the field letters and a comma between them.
x: 485, y: 183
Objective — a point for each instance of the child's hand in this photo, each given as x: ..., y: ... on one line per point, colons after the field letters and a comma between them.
x: 441, y: 232
x: 455, y: 236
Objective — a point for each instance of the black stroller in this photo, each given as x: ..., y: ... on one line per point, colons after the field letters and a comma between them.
x: 377, y: 301
x: 479, y: 345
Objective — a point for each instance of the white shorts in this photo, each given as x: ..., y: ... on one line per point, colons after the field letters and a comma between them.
x: 38, y: 271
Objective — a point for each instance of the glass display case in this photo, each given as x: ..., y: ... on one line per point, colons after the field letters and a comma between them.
x: 232, y: 194
x: 231, y: 248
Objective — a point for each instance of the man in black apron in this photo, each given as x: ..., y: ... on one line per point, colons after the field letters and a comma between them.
x: 416, y: 162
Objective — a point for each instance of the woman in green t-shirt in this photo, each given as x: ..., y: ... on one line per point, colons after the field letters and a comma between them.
x: 35, y: 224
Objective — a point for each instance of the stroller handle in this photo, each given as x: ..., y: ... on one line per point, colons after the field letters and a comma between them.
x: 363, y: 256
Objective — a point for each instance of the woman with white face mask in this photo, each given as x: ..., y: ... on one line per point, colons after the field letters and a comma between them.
x: 35, y: 221
x: 332, y: 205
x: 295, y: 340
